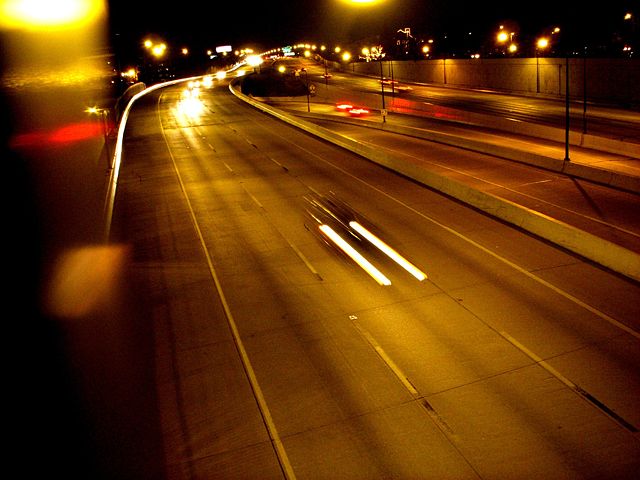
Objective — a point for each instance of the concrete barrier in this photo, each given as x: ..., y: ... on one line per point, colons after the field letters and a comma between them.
x: 586, y: 172
x: 585, y: 244
x: 128, y: 94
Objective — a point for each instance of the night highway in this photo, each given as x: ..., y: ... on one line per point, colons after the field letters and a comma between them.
x: 277, y: 356
x: 392, y: 258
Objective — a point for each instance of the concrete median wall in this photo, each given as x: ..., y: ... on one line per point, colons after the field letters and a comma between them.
x: 589, y: 246
x: 606, y: 80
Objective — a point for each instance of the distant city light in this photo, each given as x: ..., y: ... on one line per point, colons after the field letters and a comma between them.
x: 254, y: 60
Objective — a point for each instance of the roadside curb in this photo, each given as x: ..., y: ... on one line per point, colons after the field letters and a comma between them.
x: 585, y: 244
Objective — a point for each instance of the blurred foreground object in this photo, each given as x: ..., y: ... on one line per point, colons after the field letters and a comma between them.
x: 81, y: 391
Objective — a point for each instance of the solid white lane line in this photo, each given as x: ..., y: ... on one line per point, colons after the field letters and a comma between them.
x: 283, y: 459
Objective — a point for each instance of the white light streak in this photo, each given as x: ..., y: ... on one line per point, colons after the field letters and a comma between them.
x: 354, y: 254
x: 387, y: 250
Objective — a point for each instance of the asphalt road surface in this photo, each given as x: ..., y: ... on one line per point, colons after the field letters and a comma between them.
x: 593, y: 118
x: 277, y: 356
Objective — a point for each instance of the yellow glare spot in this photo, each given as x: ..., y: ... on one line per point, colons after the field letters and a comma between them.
x: 207, y: 81
x: 189, y: 109
x: 376, y: 274
x: 363, y: 2
x: 49, y: 13
x: 85, y: 280
x: 158, y: 50
x: 254, y: 60
x: 221, y: 75
x: 387, y: 250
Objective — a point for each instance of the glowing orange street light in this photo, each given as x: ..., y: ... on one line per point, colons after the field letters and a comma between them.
x: 541, y: 44
x: 158, y: 50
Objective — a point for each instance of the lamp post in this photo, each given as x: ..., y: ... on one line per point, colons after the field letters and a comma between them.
x: 541, y: 44
x: 326, y: 73
x: 393, y: 90
x: 384, y: 110
x: 567, y: 116
x: 306, y: 81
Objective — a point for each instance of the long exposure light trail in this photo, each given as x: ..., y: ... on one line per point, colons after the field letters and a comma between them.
x: 377, y: 275
x: 387, y: 250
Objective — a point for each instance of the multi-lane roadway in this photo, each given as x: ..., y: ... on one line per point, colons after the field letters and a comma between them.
x: 277, y: 356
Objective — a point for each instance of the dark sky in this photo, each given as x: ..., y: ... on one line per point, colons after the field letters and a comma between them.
x: 279, y: 22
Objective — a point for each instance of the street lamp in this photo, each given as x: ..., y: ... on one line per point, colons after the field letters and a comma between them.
x: 158, y: 50
x: 306, y: 81
x: 384, y: 110
x: 541, y: 44
x: 567, y: 113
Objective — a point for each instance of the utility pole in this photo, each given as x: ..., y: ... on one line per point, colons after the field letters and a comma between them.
x: 567, y: 115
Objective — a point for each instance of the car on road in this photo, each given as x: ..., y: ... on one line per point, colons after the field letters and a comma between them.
x: 395, y: 85
x: 352, y: 110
